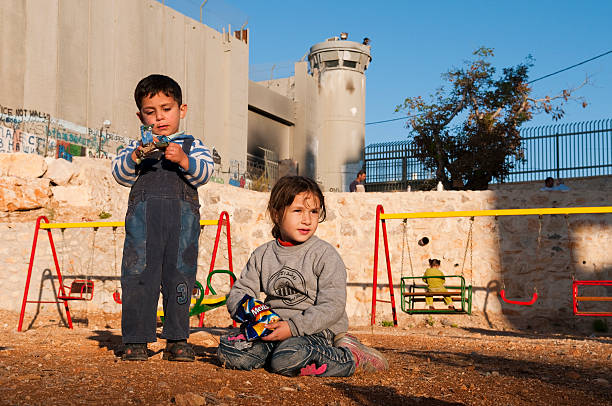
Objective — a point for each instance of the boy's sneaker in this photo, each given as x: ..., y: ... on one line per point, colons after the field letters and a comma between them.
x: 179, y: 351
x: 366, y: 359
x: 135, y: 352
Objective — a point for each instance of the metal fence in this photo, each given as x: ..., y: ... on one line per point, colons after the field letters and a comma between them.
x: 393, y: 166
x: 569, y: 150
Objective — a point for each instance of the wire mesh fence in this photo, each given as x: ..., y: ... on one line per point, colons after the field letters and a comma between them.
x: 570, y: 150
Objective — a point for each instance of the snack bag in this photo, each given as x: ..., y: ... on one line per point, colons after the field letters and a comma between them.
x: 254, y: 314
x: 146, y: 133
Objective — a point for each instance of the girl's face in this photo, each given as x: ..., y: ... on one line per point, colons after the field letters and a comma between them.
x: 300, y: 219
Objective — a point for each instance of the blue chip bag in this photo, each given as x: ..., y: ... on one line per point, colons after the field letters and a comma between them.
x: 254, y: 315
x: 146, y: 133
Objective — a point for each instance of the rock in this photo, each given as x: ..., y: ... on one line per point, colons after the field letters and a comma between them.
x: 22, y: 165
x: 601, y: 381
x: 18, y: 194
x: 226, y: 393
x: 204, y: 339
x: 72, y: 195
x: 573, y: 375
x: 287, y: 389
x: 59, y: 171
x: 189, y: 399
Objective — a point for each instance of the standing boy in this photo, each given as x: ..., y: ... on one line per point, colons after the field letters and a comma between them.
x: 162, y: 223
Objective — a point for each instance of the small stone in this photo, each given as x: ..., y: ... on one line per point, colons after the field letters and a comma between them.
x: 226, y: 393
x: 189, y: 399
x: 601, y: 381
x: 494, y: 373
x: 287, y: 389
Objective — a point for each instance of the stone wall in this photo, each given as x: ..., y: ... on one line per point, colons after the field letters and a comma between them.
x: 520, y: 253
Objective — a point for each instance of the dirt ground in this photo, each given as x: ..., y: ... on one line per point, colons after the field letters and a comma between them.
x: 49, y: 364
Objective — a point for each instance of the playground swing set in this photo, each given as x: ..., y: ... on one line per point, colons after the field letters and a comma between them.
x: 462, y: 293
x: 83, y: 289
x: 413, y: 293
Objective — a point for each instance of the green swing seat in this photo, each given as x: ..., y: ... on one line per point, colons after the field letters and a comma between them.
x: 202, y: 302
x: 411, y: 293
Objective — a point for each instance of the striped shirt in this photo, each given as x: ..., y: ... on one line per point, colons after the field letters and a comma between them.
x: 201, y: 164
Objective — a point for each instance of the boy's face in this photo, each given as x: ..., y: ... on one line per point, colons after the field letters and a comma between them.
x: 301, y: 219
x: 163, y: 112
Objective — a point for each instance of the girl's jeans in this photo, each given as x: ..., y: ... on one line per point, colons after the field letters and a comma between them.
x: 305, y: 355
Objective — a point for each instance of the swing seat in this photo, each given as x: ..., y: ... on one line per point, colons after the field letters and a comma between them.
x: 412, y: 293
x: 79, y: 289
x: 534, y: 297
x: 576, y: 298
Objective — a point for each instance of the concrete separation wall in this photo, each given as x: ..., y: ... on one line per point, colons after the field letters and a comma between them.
x: 505, y: 251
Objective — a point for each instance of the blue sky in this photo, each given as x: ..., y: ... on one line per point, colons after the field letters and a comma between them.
x: 413, y: 43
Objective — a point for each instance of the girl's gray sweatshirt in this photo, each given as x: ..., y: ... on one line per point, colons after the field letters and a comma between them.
x: 304, y: 284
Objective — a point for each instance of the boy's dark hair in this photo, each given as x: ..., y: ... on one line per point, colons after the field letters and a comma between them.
x: 361, y: 172
x: 434, y: 262
x: 284, y: 192
x: 153, y: 84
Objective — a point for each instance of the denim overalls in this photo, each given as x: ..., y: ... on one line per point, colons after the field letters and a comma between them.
x: 162, y: 228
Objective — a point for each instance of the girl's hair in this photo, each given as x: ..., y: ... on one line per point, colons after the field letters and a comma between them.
x: 434, y: 262
x: 284, y: 192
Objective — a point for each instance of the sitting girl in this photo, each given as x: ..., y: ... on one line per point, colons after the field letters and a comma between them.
x: 304, y: 282
x: 436, y: 284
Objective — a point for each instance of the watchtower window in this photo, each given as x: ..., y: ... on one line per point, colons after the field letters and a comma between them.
x: 331, y: 64
x: 350, y: 64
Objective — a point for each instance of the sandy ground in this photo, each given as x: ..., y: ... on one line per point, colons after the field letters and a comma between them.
x: 49, y: 364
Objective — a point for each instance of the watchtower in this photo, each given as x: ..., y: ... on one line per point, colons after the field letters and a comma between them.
x: 339, y: 66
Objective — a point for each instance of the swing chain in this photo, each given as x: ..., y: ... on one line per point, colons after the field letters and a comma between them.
x: 468, y: 244
x: 405, y: 244
x: 538, y: 247
x: 569, y: 248
x: 115, y: 249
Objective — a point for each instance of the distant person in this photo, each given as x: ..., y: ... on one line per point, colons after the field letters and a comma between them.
x: 561, y: 186
x: 549, y: 184
x: 434, y: 278
x: 359, y: 180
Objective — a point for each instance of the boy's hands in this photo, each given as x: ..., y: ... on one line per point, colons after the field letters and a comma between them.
x: 281, y: 331
x: 175, y: 153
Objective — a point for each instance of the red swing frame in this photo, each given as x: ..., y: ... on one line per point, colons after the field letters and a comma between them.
x: 576, y: 298
x: 62, y: 297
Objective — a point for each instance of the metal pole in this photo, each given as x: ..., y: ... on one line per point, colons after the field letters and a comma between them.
x: 557, y: 148
x: 202, y: 5
x: 100, y: 141
x: 47, y: 137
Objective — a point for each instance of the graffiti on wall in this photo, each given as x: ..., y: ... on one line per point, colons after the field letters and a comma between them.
x: 17, y: 141
x: 36, y: 132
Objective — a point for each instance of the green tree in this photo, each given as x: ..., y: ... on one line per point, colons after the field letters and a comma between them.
x: 466, y: 133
